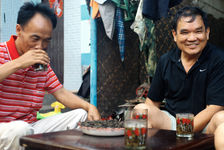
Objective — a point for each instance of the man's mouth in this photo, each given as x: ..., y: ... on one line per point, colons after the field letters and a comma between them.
x: 192, y: 46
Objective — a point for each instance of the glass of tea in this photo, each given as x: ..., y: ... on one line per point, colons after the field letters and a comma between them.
x: 135, y: 125
x: 40, y: 67
x: 185, y: 125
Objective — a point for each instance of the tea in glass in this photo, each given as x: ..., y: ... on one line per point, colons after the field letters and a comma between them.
x: 135, y: 133
x: 135, y: 125
x: 185, y: 125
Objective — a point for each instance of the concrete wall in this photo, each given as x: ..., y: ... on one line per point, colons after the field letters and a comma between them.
x: 72, y: 50
x: 85, y: 36
x: 214, y: 7
x: 9, y: 10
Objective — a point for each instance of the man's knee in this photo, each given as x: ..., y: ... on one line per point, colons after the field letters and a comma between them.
x: 219, y: 135
x: 23, y: 128
x: 17, y: 128
x: 153, y: 113
x: 218, y: 118
x: 11, y: 132
x: 80, y: 114
x: 141, y: 106
x: 220, y: 129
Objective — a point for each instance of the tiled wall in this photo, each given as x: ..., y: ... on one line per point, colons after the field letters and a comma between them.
x: 72, y: 46
x: 85, y: 36
x: 9, y: 10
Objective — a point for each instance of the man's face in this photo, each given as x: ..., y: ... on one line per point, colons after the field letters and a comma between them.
x: 191, y: 37
x: 36, y: 34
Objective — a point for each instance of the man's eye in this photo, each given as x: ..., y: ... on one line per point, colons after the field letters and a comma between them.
x: 35, y: 39
x: 184, y: 33
x: 199, y: 31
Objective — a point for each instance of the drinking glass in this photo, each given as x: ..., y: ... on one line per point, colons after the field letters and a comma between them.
x: 135, y: 125
x: 185, y: 125
x: 40, y: 67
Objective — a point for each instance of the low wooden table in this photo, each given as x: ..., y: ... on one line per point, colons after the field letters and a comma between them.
x: 75, y: 139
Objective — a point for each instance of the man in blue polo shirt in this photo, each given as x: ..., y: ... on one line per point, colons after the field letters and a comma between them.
x: 189, y: 78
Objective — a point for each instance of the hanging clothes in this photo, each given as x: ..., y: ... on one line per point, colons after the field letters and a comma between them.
x: 107, y: 12
x: 95, y: 9
x: 119, y: 23
x: 129, y: 8
x: 100, y: 1
x: 139, y: 25
x: 84, y: 90
x: 149, y: 48
x: 145, y: 30
x: 156, y: 9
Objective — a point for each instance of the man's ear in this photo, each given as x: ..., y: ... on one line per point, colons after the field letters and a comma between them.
x: 18, y: 29
x: 207, y: 32
x: 174, y: 35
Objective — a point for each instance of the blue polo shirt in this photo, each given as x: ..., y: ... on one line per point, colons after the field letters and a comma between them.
x: 189, y: 92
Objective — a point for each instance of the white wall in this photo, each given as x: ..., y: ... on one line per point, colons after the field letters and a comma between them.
x: 72, y: 46
x: 9, y: 10
x: 8, y: 18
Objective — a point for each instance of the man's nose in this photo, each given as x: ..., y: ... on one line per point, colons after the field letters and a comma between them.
x: 40, y: 45
x: 192, y: 37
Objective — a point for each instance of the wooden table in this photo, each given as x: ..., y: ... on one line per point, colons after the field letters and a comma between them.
x: 75, y: 139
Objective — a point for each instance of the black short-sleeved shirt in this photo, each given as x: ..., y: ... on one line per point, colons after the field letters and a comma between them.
x: 203, y: 85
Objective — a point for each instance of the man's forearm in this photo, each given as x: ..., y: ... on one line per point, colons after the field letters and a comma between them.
x: 70, y: 100
x: 73, y: 101
x: 8, y: 69
x: 203, y: 118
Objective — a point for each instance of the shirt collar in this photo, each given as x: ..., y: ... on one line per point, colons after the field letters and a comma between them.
x: 205, y: 53
x: 12, y: 48
x: 13, y: 52
x: 175, y: 54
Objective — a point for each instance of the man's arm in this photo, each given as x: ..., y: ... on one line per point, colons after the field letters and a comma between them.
x: 203, y: 118
x: 73, y: 101
x: 8, y: 69
x: 29, y: 58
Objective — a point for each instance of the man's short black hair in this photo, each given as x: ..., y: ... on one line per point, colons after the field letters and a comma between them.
x: 190, y: 11
x: 29, y: 9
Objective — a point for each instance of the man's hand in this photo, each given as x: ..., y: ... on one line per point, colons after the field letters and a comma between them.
x: 93, y: 113
x: 73, y: 101
x: 29, y: 58
x: 32, y: 57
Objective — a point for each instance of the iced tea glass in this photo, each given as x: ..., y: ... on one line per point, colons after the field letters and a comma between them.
x: 135, y: 125
x: 185, y: 125
x: 40, y: 67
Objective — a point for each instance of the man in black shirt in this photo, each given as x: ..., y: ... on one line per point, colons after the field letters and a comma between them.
x: 189, y: 78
